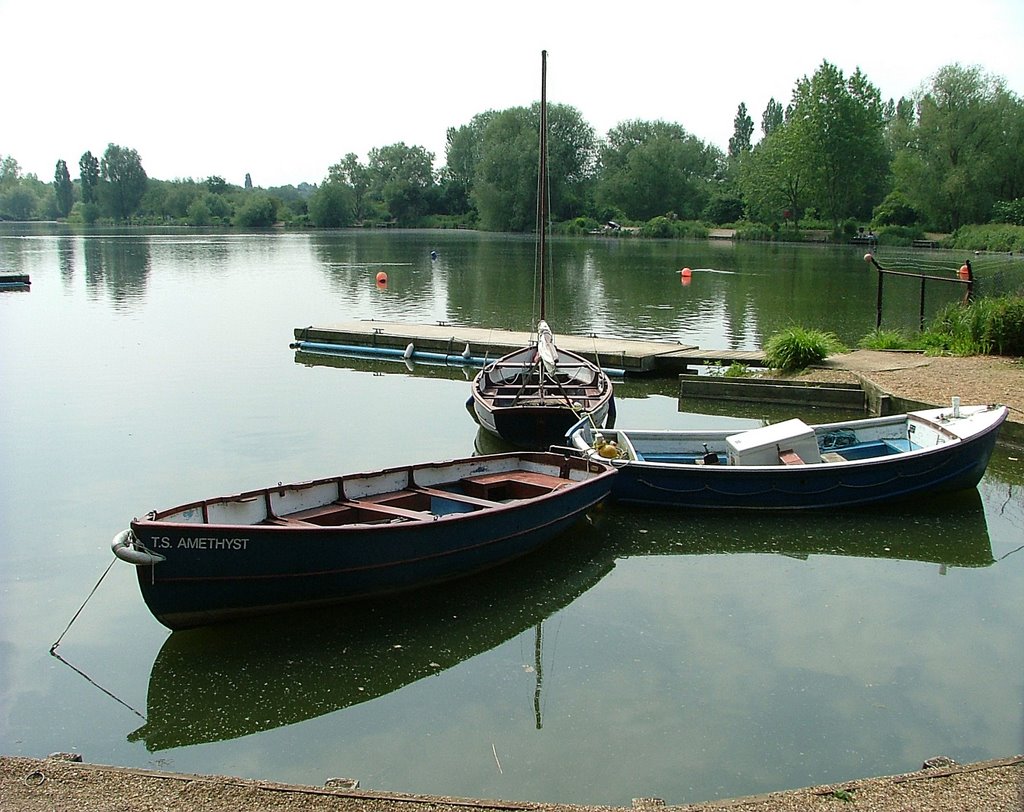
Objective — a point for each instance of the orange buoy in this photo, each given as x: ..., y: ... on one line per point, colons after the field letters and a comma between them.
x: 685, y: 272
x: 965, y: 272
x: 382, y: 279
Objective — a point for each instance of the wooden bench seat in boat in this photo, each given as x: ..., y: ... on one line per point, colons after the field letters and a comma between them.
x: 504, y: 486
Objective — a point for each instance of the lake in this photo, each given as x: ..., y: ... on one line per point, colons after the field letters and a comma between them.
x: 647, y: 653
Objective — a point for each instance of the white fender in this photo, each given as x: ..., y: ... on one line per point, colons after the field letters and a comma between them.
x: 126, y: 547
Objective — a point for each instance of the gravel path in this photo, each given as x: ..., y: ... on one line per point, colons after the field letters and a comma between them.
x: 30, y: 785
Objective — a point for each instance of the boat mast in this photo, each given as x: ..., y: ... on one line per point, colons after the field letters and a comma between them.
x: 542, y: 181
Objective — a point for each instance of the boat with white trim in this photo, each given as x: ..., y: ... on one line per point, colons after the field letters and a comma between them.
x: 354, y: 536
x: 795, y: 466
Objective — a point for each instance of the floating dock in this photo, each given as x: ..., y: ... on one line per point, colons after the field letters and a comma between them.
x: 632, y: 357
x: 15, y: 281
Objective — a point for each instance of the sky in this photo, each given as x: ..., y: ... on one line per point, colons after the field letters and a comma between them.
x: 284, y: 90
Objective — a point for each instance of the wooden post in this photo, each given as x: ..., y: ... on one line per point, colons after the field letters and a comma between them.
x: 878, y: 306
x: 921, y: 314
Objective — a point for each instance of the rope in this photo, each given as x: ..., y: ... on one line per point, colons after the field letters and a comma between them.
x: 90, y: 680
x: 53, y: 648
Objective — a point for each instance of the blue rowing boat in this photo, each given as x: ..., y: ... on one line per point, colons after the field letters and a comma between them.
x: 354, y: 536
x: 795, y: 466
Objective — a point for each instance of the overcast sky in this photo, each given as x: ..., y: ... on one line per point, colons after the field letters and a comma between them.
x: 283, y: 90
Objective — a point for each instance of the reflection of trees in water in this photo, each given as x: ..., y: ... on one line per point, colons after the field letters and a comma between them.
x: 66, y: 258
x: 116, y: 265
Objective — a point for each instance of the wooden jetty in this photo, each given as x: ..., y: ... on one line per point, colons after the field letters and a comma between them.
x: 631, y: 356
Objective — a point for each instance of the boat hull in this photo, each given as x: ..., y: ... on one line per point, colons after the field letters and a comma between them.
x: 216, y: 572
x: 947, y: 467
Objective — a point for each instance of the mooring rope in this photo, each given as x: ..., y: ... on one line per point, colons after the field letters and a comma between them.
x: 90, y: 680
x: 53, y: 648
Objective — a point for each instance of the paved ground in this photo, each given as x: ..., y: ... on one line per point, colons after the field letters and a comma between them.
x: 29, y: 785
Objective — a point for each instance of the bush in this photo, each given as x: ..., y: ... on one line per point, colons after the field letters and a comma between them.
x: 755, y: 231
x: 992, y: 324
x: 899, y: 235
x: 895, y: 210
x: 1005, y: 325
x: 887, y: 340
x: 1009, y: 211
x: 992, y: 237
x: 796, y: 348
x: 667, y: 228
x: 723, y: 209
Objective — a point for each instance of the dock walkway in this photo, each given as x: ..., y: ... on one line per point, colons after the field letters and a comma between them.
x: 634, y: 357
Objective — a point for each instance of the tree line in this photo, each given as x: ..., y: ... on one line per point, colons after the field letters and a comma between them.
x: 835, y: 155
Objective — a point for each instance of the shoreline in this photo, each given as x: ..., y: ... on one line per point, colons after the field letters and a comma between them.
x: 35, y: 785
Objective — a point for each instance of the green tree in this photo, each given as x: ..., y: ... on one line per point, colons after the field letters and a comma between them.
x: 773, y: 177
x: 402, y: 178
x: 652, y: 168
x: 258, y: 211
x: 89, y: 176
x: 838, y: 128
x: 332, y: 205
x: 63, y: 189
x: 10, y: 173
x: 505, y: 181
x: 462, y: 153
x: 350, y: 172
x: 949, y: 169
x: 17, y: 203
x: 772, y: 118
x: 742, y: 131
x: 125, y: 180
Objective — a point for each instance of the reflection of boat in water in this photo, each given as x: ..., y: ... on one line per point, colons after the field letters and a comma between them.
x: 220, y: 683
x: 949, y: 530
x: 213, y: 684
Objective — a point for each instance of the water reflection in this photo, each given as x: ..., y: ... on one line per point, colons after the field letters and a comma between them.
x: 221, y: 683
x: 224, y: 682
x: 117, y: 266
x: 949, y: 530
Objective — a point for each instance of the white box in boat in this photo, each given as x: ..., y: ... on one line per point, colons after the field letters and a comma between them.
x: 764, y: 446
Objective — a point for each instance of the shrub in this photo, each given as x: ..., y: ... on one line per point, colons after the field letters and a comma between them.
x: 1009, y: 211
x: 887, y: 340
x: 723, y: 209
x: 991, y: 324
x: 1004, y: 329
x: 667, y: 228
x: 992, y: 237
x: 899, y: 235
x: 796, y: 348
x: 895, y: 210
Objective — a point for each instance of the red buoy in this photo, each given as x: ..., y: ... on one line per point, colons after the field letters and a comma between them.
x: 382, y: 279
x: 965, y: 272
x: 685, y: 272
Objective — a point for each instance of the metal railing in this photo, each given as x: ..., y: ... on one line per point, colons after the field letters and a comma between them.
x: 965, y: 276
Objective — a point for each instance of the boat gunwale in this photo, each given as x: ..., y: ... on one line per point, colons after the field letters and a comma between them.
x: 283, y: 523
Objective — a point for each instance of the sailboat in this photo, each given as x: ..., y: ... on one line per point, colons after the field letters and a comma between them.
x: 531, y: 397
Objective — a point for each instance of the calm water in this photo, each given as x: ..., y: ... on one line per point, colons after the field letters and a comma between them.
x: 648, y: 654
